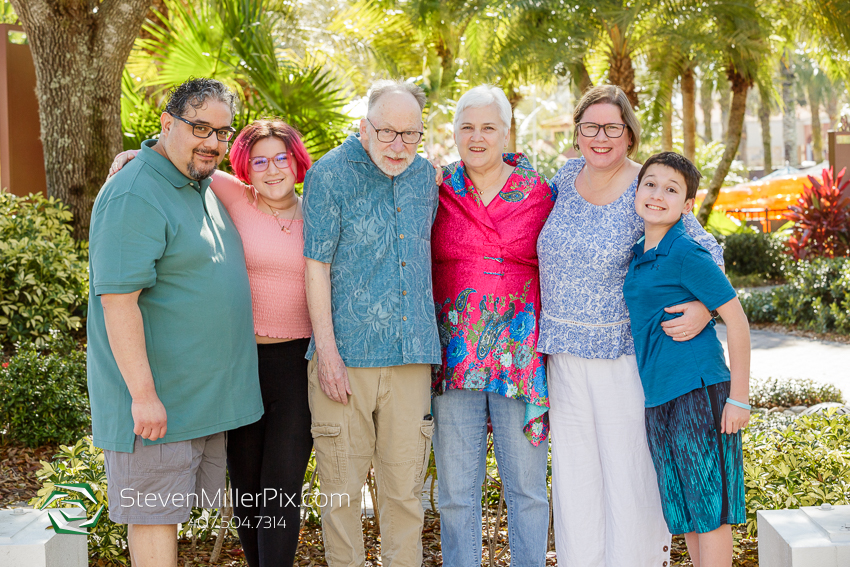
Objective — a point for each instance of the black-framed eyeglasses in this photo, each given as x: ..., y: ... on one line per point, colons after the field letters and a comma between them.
x: 386, y: 136
x: 260, y: 163
x: 591, y: 129
x: 203, y: 131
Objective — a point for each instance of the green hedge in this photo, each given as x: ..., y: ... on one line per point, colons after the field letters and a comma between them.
x: 754, y: 253
x: 43, y: 271
x: 43, y: 394
x: 816, y: 298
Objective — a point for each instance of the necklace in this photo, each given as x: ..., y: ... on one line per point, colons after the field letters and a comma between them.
x: 276, y: 212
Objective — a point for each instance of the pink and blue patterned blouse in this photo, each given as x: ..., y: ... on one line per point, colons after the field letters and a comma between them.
x: 486, y: 289
x: 585, y: 251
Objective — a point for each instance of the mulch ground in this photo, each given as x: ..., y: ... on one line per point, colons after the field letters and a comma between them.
x: 18, y: 484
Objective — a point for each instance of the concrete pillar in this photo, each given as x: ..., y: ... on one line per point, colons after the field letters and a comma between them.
x: 813, y: 536
x: 26, y: 541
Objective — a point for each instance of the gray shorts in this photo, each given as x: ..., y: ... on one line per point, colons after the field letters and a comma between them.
x: 159, y: 484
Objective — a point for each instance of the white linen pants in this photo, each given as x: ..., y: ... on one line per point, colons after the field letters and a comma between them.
x: 604, y: 490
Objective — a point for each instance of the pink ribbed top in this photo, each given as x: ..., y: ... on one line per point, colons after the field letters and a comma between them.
x: 275, y: 262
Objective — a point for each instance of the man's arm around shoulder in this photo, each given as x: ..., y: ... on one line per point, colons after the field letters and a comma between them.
x: 126, y: 332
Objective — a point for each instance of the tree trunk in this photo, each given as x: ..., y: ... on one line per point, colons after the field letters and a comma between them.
x: 789, y: 115
x: 817, y: 135
x: 764, y: 119
x: 581, y: 79
x: 621, y: 70
x: 706, y: 89
x: 831, y: 104
x: 689, y: 112
x: 514, y: 98
x: 740, y: 86
x: 79, y: 50
x: 667, y: 119
x: 725, y: 97
x: 742, y: 147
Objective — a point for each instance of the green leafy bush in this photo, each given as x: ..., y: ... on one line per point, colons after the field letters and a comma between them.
x: 83, y: 462
x: 771, y: 393
x: 816, y: 298
x: 43, y: 271
x: 43, y: 395
x: 749, y: 252
x: 805, y: 464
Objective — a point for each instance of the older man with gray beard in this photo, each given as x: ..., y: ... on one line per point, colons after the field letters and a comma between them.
x: 368, y: 209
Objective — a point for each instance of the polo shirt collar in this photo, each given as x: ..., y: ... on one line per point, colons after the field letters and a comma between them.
x: 663, y: 247
x: 167, y: 169
x: 356, y: 153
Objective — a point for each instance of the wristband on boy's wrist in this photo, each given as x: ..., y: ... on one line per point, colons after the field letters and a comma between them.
x: 747, y: 407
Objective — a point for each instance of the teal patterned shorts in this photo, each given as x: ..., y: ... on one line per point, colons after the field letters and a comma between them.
x: 700, y: 470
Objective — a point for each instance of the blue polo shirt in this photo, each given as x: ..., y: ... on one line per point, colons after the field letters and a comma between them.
x: 375, y: 232
x: 676, y: 271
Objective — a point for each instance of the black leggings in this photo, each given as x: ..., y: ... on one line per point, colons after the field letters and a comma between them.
x: 272, y: 455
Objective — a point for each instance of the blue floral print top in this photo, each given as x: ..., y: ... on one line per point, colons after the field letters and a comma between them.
x: 584, y: 252
x: 375, y: 232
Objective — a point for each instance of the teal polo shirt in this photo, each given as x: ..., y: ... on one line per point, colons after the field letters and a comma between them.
x: 155, y: 230
x: 676, y: 271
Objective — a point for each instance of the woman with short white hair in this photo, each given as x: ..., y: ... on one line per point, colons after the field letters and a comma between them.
x: 486, y: 292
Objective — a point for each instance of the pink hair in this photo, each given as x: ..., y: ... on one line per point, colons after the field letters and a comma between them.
x: 240, y: 154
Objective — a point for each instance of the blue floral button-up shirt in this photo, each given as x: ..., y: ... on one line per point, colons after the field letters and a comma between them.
x: 375, y: 232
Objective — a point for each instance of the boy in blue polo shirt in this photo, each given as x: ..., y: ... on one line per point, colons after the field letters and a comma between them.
x: 695, y: 407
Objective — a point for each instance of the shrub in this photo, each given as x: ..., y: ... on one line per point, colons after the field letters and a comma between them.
x: 771, y: 393
x: 758, y: 305
x: 43, y: 271
x: 43, y: 395
x: 83, y: 462
x: 805, y: 464
x: 822, y: 218
x: 816, y: 298
x: 750, y: 252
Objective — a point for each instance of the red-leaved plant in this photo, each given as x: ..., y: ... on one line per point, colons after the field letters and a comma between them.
x: 821, y: 218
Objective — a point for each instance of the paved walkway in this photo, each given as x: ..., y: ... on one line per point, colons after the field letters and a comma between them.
x: 777, y: 355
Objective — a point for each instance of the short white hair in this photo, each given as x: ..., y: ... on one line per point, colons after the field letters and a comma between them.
x: 386, y: 86
x: 485, y: 95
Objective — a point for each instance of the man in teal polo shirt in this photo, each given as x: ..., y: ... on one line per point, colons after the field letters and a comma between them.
x: 171, y: 357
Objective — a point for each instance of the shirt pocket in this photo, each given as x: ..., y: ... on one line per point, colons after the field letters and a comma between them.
x: 419, y: 217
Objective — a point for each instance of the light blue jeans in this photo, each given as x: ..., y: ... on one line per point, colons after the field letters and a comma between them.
x: 460, y: 447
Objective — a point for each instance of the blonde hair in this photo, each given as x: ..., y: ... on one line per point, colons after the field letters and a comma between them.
x: 609, y: 94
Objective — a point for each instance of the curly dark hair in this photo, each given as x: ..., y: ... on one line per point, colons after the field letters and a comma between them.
x: 195, y: 93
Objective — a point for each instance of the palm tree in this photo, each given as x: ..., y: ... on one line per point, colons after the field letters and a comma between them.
x: 706, y: 100
x: 765, y: 105
x: 742, y: 33
x: 789, y: 105
x: 237, y: 43
x: 816, y: 84
x: 526, y: 45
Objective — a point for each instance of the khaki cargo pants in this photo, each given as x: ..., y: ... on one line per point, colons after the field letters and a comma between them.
x: 383, y: 422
